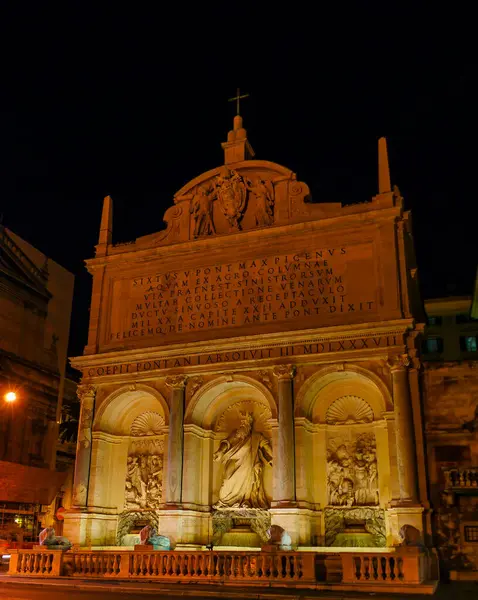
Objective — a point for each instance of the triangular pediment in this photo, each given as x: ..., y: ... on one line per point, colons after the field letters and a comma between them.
x: 19, y: 269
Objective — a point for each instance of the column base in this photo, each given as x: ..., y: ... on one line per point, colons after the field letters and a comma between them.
x: 184, y: 526
x: 303, y: 525
x: 284, y: 504
x: 90, y: 528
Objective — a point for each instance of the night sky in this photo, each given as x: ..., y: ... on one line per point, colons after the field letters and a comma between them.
x: 95, y: 101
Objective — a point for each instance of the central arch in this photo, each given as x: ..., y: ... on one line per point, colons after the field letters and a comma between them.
x: 211, y: 398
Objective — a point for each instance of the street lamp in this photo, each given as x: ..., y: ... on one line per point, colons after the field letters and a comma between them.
x: 10, y: 397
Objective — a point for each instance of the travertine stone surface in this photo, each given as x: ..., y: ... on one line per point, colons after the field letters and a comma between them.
x: 242, y: 355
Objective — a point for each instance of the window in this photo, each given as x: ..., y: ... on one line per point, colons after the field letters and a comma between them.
x: 462, y: 318
x: 434, y: 320
x: 469, y: 343
x: 471, y: 533
x: 433, y: 345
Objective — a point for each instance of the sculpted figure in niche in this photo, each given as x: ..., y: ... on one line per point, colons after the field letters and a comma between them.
x: 201, y: 209
x: 244, y: 453
x: 264, y: 194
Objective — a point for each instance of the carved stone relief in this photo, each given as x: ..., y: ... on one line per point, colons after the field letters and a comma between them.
x: 231, y: 192
x: 263, y: 191
x: 194, y: 384
x: 144, y: 474
x: 128, y: 519
x: 355, y: 527
x: 352, y: 476
x: 243, y: 454
x: 149, y: 423
x: 201, y: 210
x: 223, y: 521
x: 347, y: 410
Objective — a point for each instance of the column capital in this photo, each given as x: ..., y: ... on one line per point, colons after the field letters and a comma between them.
x: 86, y: 391
x: 176, y: 381
x: 284, y: 372
x: 399, y: 362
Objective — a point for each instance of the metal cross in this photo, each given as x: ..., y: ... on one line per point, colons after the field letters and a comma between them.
x: 237, y: 98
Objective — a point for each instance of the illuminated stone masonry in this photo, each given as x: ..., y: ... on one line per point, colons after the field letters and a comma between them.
x: 252, y: 367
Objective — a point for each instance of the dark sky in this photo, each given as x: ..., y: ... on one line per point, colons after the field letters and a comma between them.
x: 97, y: 101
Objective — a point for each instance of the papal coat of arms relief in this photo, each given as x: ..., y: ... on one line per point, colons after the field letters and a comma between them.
x: 231, y: 192
x: 234, y: 193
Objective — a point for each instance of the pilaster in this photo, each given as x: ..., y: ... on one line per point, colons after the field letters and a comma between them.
x: 173, y: 488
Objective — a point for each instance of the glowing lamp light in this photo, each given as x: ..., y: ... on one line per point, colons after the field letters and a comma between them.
x: 10, y: 397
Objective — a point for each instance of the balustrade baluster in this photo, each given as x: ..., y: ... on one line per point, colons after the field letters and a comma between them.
x: 295, y: 566
x: 36, y: 563
x: 399, y: 574
x: 357, y: 562
x: 49, y: 563
x: 374, y: 568
x: 392, y: 564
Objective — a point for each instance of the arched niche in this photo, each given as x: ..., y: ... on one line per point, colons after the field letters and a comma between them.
x: 118, y: 411
x: 129, y: 428
x: 211, y: 400
x: 324, y: 387
x: 345, y: 464
x: 213, y: 414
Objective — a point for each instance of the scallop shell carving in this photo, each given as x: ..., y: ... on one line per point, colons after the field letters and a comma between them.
x: 349, y: 409
x: 149, y: 423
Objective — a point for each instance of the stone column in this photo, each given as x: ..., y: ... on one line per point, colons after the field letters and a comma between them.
x: 284, y: 459
x: 173, y: 491
x: 86, y: 394
x: 404, y: 430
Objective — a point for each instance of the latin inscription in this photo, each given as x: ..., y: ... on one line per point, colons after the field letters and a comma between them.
x: 244, y: 355
x: 314, y: 285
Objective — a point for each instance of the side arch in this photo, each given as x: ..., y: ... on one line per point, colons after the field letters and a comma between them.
x: 331, y: 382
x: 121, y: 407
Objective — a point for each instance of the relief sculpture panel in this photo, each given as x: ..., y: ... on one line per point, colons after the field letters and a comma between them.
x: 352, y: 476
x: 144, y: 473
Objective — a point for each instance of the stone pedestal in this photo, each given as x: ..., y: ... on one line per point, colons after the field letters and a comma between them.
x: 284, y: 459
x: 301, y: 524
x: 173, y: 487
x: 90, y: 528
x: 185, y: 526
x: 398, y: 516
x: 86, y: 394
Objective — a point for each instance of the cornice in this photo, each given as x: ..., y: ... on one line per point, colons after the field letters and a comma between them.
x: 253, y: 342
x: 339, y: 224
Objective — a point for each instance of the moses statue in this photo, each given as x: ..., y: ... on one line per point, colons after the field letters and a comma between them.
x: 244, y: 454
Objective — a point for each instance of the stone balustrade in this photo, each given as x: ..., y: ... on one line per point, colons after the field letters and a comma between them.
x: 408, y: 565
x: 37, y: 562
x: 391, y: 571
x: 465, y: 477
x: 297, y: 568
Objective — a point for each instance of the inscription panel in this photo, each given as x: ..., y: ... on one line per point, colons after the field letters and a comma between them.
x: 317, y: 287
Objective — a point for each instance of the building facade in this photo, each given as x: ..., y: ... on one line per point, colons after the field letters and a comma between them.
x: 254, y: 363
x: 35, y: 308
x: 450, y: 374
